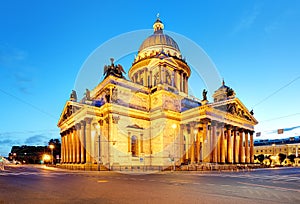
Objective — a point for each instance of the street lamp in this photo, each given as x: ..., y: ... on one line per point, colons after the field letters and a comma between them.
x: 97, y: 127
x: 273, y: 145
x: 174, y: 126
x: 195, y: 148
x: 51, y: 147
x: 46, y: 157
x: 273, y: 158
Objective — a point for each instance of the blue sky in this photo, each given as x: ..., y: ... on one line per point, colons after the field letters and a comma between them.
x: 254, y: 45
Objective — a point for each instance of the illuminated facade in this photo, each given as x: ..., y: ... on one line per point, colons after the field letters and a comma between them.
x: 274, y: 150
x: 286, y: 149
x: 150, y: 120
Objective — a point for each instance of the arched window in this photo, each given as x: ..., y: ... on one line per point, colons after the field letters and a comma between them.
x: 134, y: 146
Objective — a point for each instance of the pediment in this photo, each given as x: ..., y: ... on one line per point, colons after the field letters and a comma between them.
x: 164, y: 60
x: 236, y: 108
x: 135, y: 126
x: 70, y: 108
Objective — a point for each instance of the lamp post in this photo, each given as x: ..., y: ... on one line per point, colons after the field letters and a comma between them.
x: 97, y: 127
x: 174, y: 126
x: 273, y: 157
x: 195, y: 148
x: 51, y: 147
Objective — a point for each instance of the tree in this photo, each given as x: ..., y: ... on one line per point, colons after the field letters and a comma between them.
x: 281, y: 157
x: 261, y: 158
x: 57, y: 148
x: 27, y: 154
x: 269, y: 158
x: 292, y: 157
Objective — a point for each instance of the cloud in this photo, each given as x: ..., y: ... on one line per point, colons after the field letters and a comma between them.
x: 36, y: 140
x: 9, y: 55
x: 14, y: 62
x: 23, y: 81
x: 272, y: 27
x: 247, y: 21
x: 9, y: 139
x: 280, y: 20
x: 292, y: 128
x: 7, y: 142
x: 22, y: 77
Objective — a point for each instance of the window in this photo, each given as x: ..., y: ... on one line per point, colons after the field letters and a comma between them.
x: 168, y: 78
x: 156, y: 79
x: 136, y: 77
x: 134, y: 146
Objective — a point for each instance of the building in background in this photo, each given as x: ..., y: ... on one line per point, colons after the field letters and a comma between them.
x: 283, y: 151
x: 150, y: 120
x: 36, y: 154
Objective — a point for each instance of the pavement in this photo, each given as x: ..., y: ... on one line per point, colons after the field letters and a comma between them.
x: 41, y: 184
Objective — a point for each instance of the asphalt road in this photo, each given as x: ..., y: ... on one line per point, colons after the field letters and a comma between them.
x: 32, y: 184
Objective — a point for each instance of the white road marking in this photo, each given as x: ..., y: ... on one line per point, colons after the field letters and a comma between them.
x: 271, y: 187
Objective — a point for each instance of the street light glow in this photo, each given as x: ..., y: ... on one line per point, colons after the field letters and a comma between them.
x: 51, y: 146
x: 46, y: 157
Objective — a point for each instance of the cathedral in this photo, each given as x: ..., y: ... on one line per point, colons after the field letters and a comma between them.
x: 150, y: 121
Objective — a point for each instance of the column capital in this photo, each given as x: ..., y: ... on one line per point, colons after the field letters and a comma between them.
x: 228, y: 127
x: 241, y: 130
x: 192, y: 124
x: 235, y: 128
x: 182, y: 126
x: 100, y: 122
x: 88, y: 120
x: 83, y: 123
x: 107, y: 119
x: 205, y: 120
x: 72, y: 128
x: 214, y: 123
x: 115, y: 119
x: 78, y: 125
x: 219, y: 124
x: 67, y: 131
x: 246, y: 131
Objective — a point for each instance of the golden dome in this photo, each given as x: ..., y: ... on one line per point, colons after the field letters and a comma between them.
x: 159, y: 38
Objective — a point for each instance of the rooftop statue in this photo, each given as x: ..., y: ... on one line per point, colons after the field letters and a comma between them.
x: 204, y: 94
x: 115, y: 70
x: 73, y: 96
x: 87, y: 94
